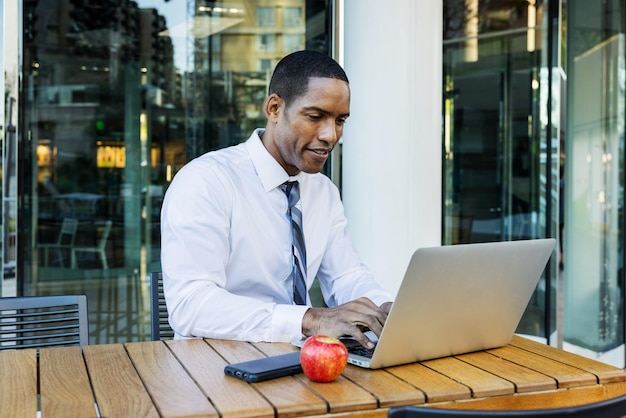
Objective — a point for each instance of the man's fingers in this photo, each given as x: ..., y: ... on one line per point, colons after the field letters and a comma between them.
x: 386, y: 307
x: 369, y: 322
x: 362, y: 338
x: 353, y: 319
x: 362, y: 327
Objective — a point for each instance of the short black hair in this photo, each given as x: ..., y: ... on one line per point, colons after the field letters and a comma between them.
x: 291, y: 75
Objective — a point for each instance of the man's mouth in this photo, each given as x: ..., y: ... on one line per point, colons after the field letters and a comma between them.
x: 322, y: 151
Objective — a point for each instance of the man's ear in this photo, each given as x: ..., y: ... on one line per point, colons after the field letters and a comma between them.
x: 273, y: 106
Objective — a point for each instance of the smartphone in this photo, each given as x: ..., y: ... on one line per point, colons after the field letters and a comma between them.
x: 265, y: 368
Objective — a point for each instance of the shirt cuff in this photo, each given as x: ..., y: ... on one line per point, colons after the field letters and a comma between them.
x: 287, y: 323
x: 379, y: 297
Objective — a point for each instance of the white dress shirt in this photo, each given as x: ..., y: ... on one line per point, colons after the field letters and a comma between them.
x: 226, y: 247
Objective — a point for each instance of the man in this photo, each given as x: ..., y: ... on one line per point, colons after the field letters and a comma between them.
x: 230, y: 268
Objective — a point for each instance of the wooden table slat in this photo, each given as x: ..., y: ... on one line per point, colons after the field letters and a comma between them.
x: 287, y: 394
x: 565, y: 375
x: 169, y: 385
x: 226, y: 393
x: 64, y: 384
x: 524, y: 379
x: 605, y: 372
x: 117, y: 387
x: 384, y: 387
x: 235, y: 351
x: 341, y: 395
x: 480, y: 382
x: 18, y: 383
x: 290, y: 397
x: 388, y: 389
x: 435, y: 386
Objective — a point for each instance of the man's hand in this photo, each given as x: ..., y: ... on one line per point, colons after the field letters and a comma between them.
x: 386, y: 306
x: 352, y: 318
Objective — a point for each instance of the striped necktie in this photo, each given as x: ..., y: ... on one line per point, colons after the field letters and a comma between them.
x: 298, y: 272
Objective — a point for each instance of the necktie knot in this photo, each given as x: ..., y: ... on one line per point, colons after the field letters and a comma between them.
x: 292, y: 190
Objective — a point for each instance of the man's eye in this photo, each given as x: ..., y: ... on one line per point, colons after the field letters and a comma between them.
x: 341, y: 121
x: 315, y: 116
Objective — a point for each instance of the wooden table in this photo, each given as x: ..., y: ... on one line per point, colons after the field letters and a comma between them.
x: 186, y: 378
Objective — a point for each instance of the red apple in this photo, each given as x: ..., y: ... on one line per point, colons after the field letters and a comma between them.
x: 323, y: 358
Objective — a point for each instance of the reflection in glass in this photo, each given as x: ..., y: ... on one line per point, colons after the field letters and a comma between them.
x: 497, y: 163
x: 522, y: 163
x: 118, y: 96
x: 594, y: 188
x: 9, y: 89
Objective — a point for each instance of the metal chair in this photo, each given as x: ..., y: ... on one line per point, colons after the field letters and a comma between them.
x: 161, y: 329
x: 43, y: 321
x: 99, y: 249
x: 611, y: 408
x: 65, y: 240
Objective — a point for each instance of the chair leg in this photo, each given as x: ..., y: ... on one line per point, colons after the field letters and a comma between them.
x: 103, y: 257
x: 59, y: 256
x: 61, y: 261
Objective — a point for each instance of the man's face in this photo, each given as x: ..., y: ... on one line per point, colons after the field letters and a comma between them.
x: 306, y: 132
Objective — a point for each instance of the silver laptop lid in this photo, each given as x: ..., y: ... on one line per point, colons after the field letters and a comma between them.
x: 461, y: 298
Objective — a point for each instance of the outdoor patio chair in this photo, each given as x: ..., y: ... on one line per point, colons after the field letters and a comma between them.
x: 161, y: 329
x: 65, y: 240
x: 99, y: 249
x: 611, y: 408
x: 43, y: 321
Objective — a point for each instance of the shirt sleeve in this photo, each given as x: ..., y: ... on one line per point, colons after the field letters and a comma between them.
x: 195, y: 249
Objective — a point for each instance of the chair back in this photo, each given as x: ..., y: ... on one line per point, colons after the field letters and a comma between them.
x: 611, y: 408
x: 105, y: 235
x: 161, y: 329
x: 67, y: 235
x: 43, y: 321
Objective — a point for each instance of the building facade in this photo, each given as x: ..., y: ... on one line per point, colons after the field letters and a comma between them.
x: 471, y: 121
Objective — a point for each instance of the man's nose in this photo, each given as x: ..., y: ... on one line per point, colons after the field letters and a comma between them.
x: 330, y: 132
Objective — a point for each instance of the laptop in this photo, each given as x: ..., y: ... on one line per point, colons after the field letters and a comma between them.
x: 457, y: 299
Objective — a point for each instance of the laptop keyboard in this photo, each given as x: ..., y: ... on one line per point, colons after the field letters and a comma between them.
x: 358, y: 349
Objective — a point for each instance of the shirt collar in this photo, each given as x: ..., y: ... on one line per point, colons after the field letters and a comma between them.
x: 269, y: 171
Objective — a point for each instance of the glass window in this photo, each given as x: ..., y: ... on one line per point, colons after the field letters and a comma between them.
x: 593, y: 177
x: 500, y: 172
x: 292, y: 43
x: 266, y: 43
x: 292, y: 16
x: 266, y: 16
x: 265, y: 64
x: 116, y: 98
x: 520, y: 163
x: 9, y: 91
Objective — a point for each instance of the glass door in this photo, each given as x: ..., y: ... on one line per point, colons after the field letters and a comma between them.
x: 594, y: 179
x: 500, y: 155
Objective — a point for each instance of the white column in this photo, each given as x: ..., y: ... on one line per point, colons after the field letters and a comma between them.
x: 391, y: 174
